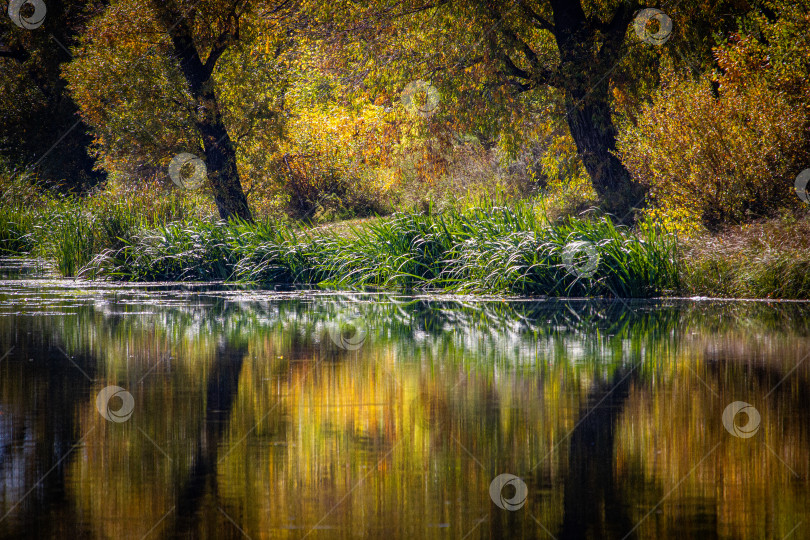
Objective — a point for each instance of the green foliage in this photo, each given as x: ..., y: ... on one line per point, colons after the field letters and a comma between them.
x: 68, y: 237
x: 279, y: 253
x: 72, y: 230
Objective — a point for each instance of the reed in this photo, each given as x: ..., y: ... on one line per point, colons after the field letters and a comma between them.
x: 478, y: 250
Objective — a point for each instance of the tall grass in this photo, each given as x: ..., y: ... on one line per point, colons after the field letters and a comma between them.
x: 502, y: 250
x: 174, y: 252
x: 16, y: 230
x: 67, y: 237
x: 490, y: 249
x: 770, y: 259
x: 18, y: 216
x: 73, y: 231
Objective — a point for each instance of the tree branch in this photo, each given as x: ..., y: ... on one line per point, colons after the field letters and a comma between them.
x: 221, y: 44
x: 223, y: 40
x: 538, y: 20
x: 512, y: 69
x: 19, y: 55
x: 530, y: 55
x: 614, y: 30
x: 538, y: 74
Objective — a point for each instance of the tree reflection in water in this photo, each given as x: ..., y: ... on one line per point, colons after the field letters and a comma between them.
x: 250, y: 418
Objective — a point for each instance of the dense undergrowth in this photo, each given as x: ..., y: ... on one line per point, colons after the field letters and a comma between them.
x: 769, y: 259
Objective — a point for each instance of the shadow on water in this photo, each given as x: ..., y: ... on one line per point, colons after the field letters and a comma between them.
x: 41, y: 388
x: 325, y: 415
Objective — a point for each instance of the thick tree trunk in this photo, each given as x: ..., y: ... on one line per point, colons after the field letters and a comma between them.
x: 220, y: 159
x: 584, y: 77
x: 220, y: 152
x: 593, y: 132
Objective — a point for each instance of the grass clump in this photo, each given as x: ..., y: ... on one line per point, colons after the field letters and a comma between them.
x: 501, y: 250
x: 67, y: 236
x: 18, y: 216
x: 609, y: 260
x: 480, y: 250
x: 179, y: 251
x: 74, y: 230
x: 16, y: 230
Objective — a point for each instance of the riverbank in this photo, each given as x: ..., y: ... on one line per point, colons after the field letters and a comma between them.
x: 490, y: 250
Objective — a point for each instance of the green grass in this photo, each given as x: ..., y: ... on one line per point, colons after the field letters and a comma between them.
x: 180, y: 251
x: 502, y: 250
x: 72, y: 234
x: 18, y: 215
x: 481, y: 250
x: 16, y: 230
x: 73, y: 231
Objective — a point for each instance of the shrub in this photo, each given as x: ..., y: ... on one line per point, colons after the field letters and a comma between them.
x: 325, y: 169
x: 718, y: 160
x: 730, y: 154
x: 315, y: 188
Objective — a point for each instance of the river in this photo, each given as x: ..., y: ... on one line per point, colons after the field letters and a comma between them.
x: 220, y: 411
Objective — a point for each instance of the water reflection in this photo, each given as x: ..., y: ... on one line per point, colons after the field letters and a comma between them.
x: 253, y: 418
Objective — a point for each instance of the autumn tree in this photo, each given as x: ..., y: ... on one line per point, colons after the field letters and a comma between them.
x: 220, y: 24
x: 497, y: 62
x: 155, y: 79
x: 571, y: 47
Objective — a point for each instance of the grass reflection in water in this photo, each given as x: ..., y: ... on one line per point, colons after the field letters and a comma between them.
x: 339, y: 416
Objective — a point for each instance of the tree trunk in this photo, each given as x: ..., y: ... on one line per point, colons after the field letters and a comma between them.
x: 220, y: 152
x: 585, y: 69
x: 593, y: 132
x: 220, y: 159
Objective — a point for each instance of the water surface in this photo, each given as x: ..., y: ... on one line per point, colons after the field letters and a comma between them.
x: 267, y: 414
